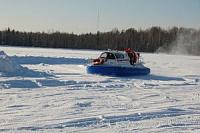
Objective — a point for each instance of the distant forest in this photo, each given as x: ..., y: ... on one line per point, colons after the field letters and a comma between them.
x: 154, y: 39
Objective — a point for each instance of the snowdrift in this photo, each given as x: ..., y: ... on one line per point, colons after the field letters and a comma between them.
x: 7, y: 64
x: 10, y: 67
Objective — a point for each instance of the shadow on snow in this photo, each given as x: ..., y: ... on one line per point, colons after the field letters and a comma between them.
x: 48, y: 60
x: 151, y: 77
x: 111, y: 120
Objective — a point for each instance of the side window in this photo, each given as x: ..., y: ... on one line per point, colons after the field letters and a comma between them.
x: 110, y: 56
x: 119, y: 56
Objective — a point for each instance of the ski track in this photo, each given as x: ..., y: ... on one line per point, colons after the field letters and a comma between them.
x: 53, y: 93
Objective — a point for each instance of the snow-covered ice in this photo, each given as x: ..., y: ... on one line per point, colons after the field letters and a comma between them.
x: 48, y: 90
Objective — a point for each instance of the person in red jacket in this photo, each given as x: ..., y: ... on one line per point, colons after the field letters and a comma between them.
x: 132, y: 55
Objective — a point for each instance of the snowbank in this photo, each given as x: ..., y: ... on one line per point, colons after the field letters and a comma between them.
x: 7, y: 64
x: 10, y: 67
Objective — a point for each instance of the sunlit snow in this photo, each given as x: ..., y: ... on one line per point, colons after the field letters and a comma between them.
x: 49, y: 90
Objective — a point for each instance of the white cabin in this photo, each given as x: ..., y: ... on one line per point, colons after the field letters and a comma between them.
x: 115, y: 58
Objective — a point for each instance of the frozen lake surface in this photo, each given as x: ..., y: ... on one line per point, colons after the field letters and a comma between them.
x: 50, y: 91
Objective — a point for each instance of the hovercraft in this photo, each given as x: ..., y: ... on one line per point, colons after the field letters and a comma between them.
x: 118, y: 63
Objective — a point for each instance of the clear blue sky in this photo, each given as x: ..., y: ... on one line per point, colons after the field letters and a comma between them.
x: 80, y: 16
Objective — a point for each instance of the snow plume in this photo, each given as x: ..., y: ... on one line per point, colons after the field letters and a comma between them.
x: 186, y: 43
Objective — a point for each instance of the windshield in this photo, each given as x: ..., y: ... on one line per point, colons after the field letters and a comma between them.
x: 107, y: 55
x: 104, y: 55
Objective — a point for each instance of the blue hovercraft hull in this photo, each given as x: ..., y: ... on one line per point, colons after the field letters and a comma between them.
x: 117, y: 71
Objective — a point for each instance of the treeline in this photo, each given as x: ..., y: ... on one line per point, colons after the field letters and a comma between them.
x: 149, y: 40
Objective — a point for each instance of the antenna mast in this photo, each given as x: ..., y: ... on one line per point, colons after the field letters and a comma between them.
x: 98, y: 22
x: 2, y: 37
x: 98, y: 33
